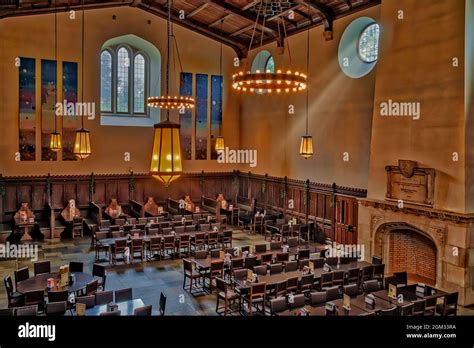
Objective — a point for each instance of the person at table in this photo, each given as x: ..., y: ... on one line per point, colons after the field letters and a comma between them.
x: 222, y: 201
x: 67, y: 216
x: 114, y: 210
x: 22, y: 220
x: 24, y: 214
x: 190, y: 206
x: 151, y: 208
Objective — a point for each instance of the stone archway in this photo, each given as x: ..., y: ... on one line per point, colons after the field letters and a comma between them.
x: 405, y: 247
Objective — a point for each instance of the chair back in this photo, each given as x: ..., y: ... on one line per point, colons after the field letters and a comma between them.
x: 143, y: 311
x: 275, y: 245
x: 162, y: 303
x: 187, y: 266
x: 266, y: 258
x: 351, y: 289
x: 179, y: 229
x: 89, y: 300
x: 303, y: 254
x: 21, y: 274
x: 201, y: 254
x: 75, y: 266
x: 153, y: 231
x: 58, y: 296
x: 258, y: 290
x: 276, y: 268
x: 240, y: 274
x: 371, y: 286
x: 318, y: 298
x: 291, y: 266
x: 7, y: 280
x: 292, y: 241
x: 406, y: 310
x: 28, y: 311
x: 42, y: 267
x: 117, y: 234
x: 237, y: 263
x: 376, y: 260
x: 56, y: 308
x: 250, y: 262
x: 402, y: 278
x: 296, y: 301
x: 260, y: 270
x: 98, y: 270
x: 217, y: 266
x: 282, y: 257
x: 104, y: 297
x: 333, y: 293
x: 221, y: 285
x: 111, y: 314
x: 318, y: 263
x: 34, y: 297
x: 91, y: 287
x: 260, y: 248
x: 123, y: 295
x: 278, y: 305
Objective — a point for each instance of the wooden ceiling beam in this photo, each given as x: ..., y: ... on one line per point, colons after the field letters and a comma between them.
x: 270, y: 28
x: 197, y: 10
x: 220, y: 20
x: 27, y: 11
x: 159, y: 10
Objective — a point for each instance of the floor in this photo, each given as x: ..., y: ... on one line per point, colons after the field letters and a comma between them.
x: 147, y: 279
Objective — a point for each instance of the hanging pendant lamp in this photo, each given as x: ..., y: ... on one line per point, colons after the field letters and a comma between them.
x: 268, y: 82
x: 55, y: 143
x: 306, y: 146
x: 166, y: 161
x: 82, y: 145
x: 220, y: 146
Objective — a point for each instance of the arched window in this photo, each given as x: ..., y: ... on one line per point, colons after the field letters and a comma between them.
x: 106, y: 81
x: 123, y: 85
x: 270, y: 65
x: 139, y: 84
x: 369, y: 43
x: 123, y: 81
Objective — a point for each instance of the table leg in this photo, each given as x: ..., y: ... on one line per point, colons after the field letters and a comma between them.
x: 26, y: 236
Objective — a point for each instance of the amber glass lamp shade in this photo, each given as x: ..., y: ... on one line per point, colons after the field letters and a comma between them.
x: 55, y: 144
x: 306, y: 147
x: 166, y: 165
x: 220, y: 143
x: 82, y: 145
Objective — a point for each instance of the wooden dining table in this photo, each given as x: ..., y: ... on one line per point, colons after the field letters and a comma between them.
x: 40, y: 282
x: 125, y: 308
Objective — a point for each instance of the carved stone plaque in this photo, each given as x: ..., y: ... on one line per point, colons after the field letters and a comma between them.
x: 409, y: 183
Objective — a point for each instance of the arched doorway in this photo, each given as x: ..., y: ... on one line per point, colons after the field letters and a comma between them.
x: 405, y: 248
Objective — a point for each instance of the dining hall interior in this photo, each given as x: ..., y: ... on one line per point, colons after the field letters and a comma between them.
x: 196, y: 157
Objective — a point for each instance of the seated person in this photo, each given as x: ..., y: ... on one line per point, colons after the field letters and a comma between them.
x: 24, y: 214
x: 114, y: 210
x: 67, y: 215
x: 151, y: 207
x: 222, y: 201
x: 30, y: 229
x: 190, y: 206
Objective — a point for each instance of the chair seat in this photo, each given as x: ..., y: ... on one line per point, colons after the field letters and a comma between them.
x: 231, y: 295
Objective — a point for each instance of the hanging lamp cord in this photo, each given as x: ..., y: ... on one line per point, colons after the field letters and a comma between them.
x: 56, y: 60
x: 82, y: 87
x: 168, y: 31
x: 307, y: 86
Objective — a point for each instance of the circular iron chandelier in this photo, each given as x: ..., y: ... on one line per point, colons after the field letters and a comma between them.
x: 168, y: 102
x: 269, y: 82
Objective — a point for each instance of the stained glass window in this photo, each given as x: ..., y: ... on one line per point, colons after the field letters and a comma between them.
x: 106, y: 81
x: 369, y: 43
x: 123, y: 71
x: 139, y: 84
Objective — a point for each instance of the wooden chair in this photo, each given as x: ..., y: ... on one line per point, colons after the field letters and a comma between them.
x: 282, y: 257
x: 58, y: 296
x: 199, y: 241
x: 260, y: 248
x: 318, y: 298
x: 256, y: 297
x: 191, y: 273
x: 77, y: 230
x: 292, y: 284
x: 28, y: 311
x: 35, y: 297
x: 212, y: 240
x: 278, y: 305
x: 15, y: 299
x: 291, y: 266
x: 260, y: 270
x: 98, y: 246
x: 42, y: 267
x: 21, y: 274
x: 266, y: 258
x: 123, y: 295
x: 100, y: 273
x: 75, y: 266
x: 104, y: 297
x: 144, y: 311
x: 169, y: 245
x: 449, y: 306
x: 297, y: 301
x: 306, y: 284
x: 89, y: 301
x: 162, y: 303
x: 276, y: 268
x: 119, y: 248
x: 137, y: 247
x: 326, y: 281
x: 56, y: 308
x: 216, y: 270
x: 184, y: 245
x: 155, y: 247
x: 226, y: 294
x: 111, y: 314
x: 338, y: 278
x: 419, y: 308
x: 257, y: 224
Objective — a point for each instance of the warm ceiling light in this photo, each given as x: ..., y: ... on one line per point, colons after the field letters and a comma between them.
x: 55, y: 144
x: 166, y: 163
x: 306, y: 147
x: 82, y: 145
x: 264, y: 82
x: 220, y: 143
x: 171, y: 102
